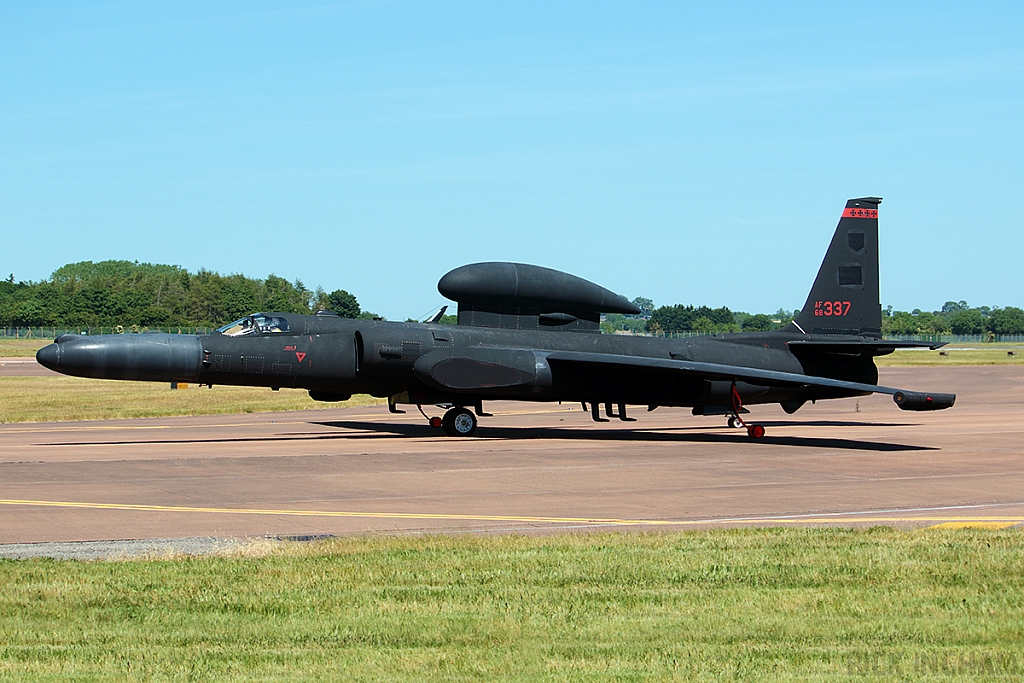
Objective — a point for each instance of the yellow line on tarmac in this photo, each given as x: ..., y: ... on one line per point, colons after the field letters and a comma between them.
x: 940, y: 522
x: 973, y: 524
x: 326, y: 513
x: 77, y: 426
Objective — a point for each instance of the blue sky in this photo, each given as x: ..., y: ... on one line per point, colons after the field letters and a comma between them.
x: 691, y: 153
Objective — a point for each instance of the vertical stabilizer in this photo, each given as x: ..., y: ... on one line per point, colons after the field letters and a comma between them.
x: 844, y: 297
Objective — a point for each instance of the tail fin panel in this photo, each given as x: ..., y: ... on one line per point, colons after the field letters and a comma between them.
x: 844, y: 298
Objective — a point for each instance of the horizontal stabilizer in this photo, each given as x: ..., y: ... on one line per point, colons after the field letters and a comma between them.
x: 869, y: 345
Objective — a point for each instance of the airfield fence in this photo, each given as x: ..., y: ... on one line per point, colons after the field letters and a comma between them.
x: 958, y: 338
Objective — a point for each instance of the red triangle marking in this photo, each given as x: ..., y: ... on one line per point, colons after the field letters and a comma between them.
x: 300, y: 355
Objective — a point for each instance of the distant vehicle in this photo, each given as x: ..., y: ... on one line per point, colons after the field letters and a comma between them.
x: 532, y: 334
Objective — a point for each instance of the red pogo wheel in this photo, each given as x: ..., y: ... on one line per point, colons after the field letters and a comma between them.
x: 435, y: 422
x: 755, y: 431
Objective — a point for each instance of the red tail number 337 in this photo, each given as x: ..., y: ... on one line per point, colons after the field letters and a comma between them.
x: 831, y: 308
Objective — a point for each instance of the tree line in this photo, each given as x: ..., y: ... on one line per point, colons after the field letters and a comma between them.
x: 145, y: 295
x: 954, y: 318
x: 127, y: 293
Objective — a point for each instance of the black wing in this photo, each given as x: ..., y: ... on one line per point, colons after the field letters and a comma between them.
x: 907, y: 400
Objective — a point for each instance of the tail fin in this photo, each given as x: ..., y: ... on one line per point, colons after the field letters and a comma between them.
x: 844, y: 297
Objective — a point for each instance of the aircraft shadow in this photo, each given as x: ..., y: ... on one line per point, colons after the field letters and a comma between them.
x: 831, y: 423
x: 631, y: 435
x: 378, y: 430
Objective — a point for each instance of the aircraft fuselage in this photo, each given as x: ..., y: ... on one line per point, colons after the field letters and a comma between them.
x: 336, y: 357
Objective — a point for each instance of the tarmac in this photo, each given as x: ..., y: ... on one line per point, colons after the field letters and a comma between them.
x: 531, y: 468
x: 24, y: 367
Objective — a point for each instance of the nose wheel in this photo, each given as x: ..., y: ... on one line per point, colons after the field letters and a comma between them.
x: 459, y: 422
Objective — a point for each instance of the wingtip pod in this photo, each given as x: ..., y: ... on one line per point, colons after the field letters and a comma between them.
x: 917, y: 400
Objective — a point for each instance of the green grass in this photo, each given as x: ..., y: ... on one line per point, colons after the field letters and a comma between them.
x: 740, y: 605
x: 45, y: 399
x: 957, y: 354
x: 13, y: 348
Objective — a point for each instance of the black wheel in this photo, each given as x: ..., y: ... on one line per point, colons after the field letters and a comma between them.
x: 733, y: 422
x: 459, y: 422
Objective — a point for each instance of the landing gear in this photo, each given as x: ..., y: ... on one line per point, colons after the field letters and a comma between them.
x: 459, y: 422
x: 595, y: 411
x: 621, y: 414
x: 753, y: 431
x: 434, y: 422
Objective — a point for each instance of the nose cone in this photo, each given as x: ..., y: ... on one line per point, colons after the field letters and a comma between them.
x: 146, y: 357
x: 49, y: 356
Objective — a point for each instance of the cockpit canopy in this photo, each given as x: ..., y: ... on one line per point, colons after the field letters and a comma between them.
x: 256, y: 324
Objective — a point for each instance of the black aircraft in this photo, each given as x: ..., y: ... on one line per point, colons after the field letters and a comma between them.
x: 532, y: 334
